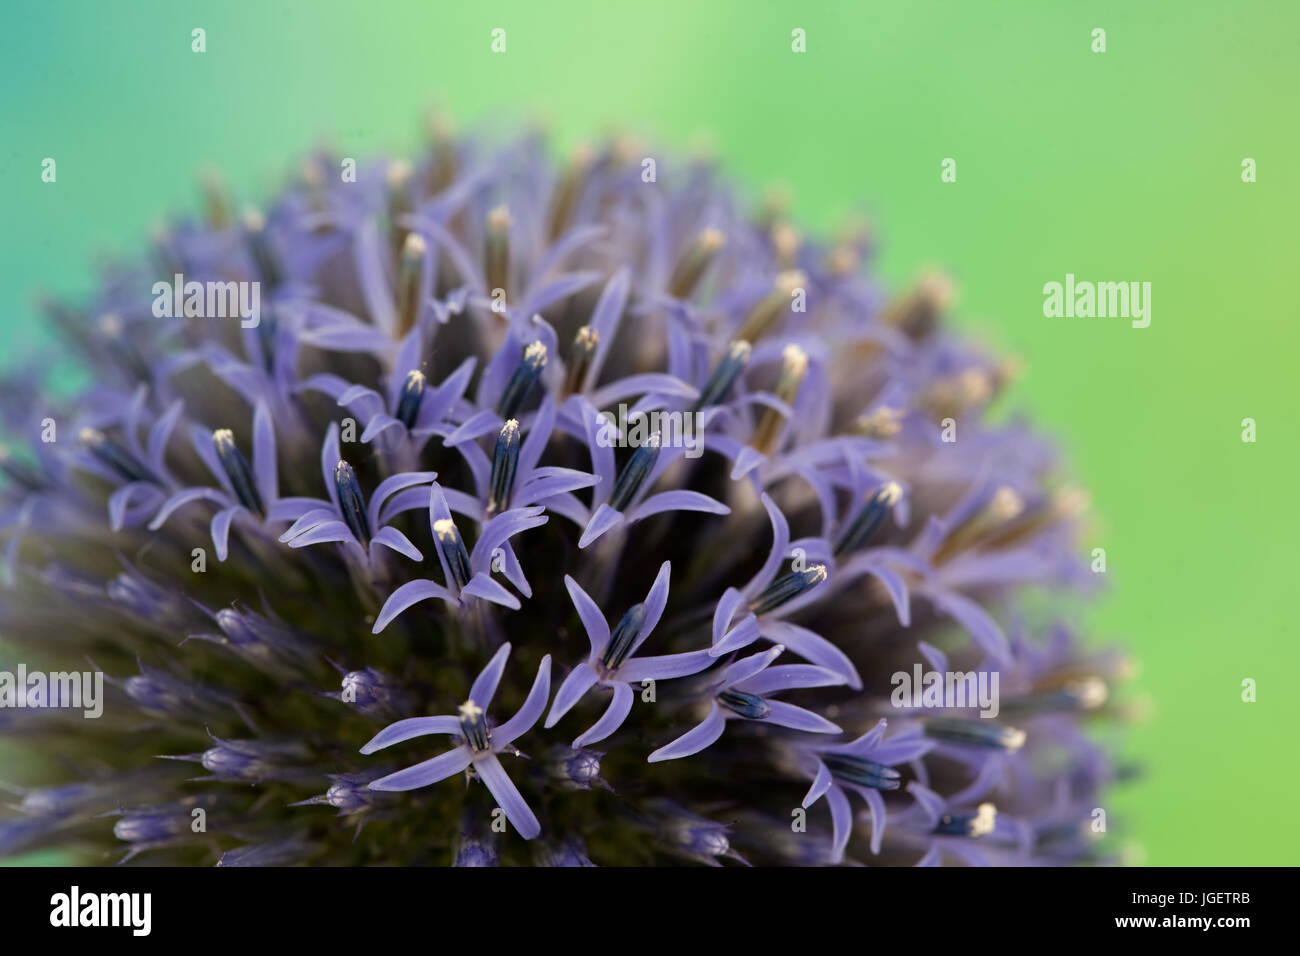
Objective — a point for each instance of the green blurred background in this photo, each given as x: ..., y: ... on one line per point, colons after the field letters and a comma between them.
x: 1124, y: 165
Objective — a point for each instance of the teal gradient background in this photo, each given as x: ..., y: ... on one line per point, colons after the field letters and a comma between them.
x: 1117, y: 166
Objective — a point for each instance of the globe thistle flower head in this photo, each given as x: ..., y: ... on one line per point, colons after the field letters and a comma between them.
x: 496, y: 412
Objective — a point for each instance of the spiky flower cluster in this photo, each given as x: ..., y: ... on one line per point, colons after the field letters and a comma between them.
x: 379, y: 576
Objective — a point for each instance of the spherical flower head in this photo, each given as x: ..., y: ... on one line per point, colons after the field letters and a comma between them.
x: 496, y: 417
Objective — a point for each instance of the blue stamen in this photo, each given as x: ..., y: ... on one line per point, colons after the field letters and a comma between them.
x: 236, y: 467
x: 351, y: 504
x: 787, y: 588
x: 1074, y: 697
x: 20, y: 472
x: 268, y: 328
x: 408, y: 281
x: 869, y: 519
x: 408, y: 401
x: 453, y: 549
x: 634, y: 474
x: 981, y: 733
x: 473, y: 725
x: 746, y: 705
x: 862, y: 772
x: 259, y: 247
x: 625, y: 633
x: 116, y: 456
x: 695, y: 261
x: 976, y: 823
x: 523, y: 379
x: 724, y: 375
x: 584, y: 349
x: 504, y: 462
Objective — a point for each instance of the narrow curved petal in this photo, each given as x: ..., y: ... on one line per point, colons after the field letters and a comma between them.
x: 358, y: 394
x: 403, y: 501
x: 646, y: 383
x: 820, y: 784
x: 425, y: 773
x: 655, y: 602
x: 412, y: 592
x: 221, y: 529
x: 538, y: 437
x: 664, y: 667
x: 482, y: 586
x: 507, y: 795
x: 865, y: 745
x: 530, y: 712
x: 876, y: 804
x: 546, y: 482
x: 395, y: 733
x: 567, y: 506
x: 485, y: 685
x: 557, y: 289
x: 393, y: 539
x: 160, y: 434
x: 602, y: 452
x: 479, y: 465
x: 748, y: 667
x: 592, y: 619
x: 811, y: 646
x: 291, y: 509
x: 476, y: 426
x: 500, y: 530
x: 619, y: 707
x: 579, y: 681
x: 930, y: 803
x: 370, y: 271
x: 742, y: 635
x: 747, y: 459
x: 728, y: 604
x: 932, y: 857
x: 308, y: 520
x: 788, y: 715
x: 788, y: 676
x: 677, y: 501
x: 390, y: 486
x: 324, y: 533
x: 841, y: 822
x: 902, y: 749
x: 264, y: 469
x: 329, y: 457
x: 892, y: 581
x: 604, y: 519
x: 605, y: 319
x: 324, y: 382
x: 936, y: 658
x: 977, y: 622
x: 436, y: 405
x: 780, y: 542
x: 182, y: 498
x: 119, y: 502
x: 513, y: 571
x: 694, y: 740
